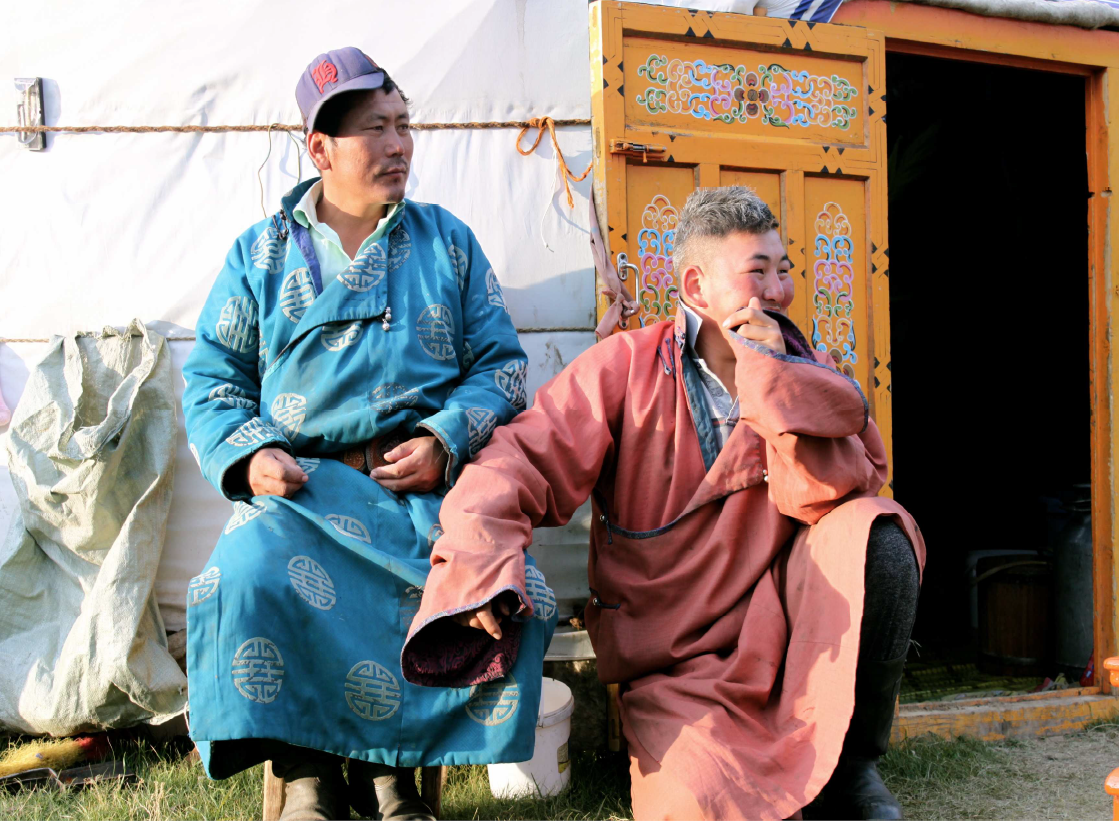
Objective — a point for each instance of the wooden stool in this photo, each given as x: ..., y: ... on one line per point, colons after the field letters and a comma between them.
x: 431, y: 791
x: 613, y: 719
x: 1112, y: 782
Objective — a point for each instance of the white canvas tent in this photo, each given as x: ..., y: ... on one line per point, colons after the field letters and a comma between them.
x: 101, y: 228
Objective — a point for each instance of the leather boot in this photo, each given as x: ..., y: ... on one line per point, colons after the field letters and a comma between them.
x: 390, y: 791
x: 855, y: 790
x: 314, y: 788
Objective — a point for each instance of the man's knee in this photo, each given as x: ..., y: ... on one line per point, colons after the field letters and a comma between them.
x: 893, y: 584
x: 889, y: 554
x: 887, y: 533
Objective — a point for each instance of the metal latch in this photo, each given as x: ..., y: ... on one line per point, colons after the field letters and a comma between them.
x: 642, y: 150
x: 623, y: 265
x: 29, y: 111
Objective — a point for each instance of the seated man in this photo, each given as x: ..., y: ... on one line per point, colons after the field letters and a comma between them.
x: 354, y: 353
x: 749, y: 591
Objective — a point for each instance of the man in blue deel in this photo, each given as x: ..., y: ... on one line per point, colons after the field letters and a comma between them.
x: 354, y: 353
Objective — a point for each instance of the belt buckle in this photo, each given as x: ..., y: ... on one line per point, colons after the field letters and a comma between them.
x: 377, y: 448
x: 355, y: 458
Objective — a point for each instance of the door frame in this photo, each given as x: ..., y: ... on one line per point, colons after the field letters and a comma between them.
x: 614, y: 23
x: 1094, y: 55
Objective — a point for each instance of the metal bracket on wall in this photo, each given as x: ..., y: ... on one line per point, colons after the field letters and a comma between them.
x: 631, y: 149
x: 29, y: 111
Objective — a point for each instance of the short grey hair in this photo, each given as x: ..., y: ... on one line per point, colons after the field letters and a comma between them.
x: 717, y: 212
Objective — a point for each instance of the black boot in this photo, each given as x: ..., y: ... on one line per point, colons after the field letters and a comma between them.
x: 314, y: 789
x: 855, y: 790
x: 390, y: 791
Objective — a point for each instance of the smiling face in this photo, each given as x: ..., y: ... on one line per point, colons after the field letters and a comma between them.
x: 725, y: 273
x: 370, y: 155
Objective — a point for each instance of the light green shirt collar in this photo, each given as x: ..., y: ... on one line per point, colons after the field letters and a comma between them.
x: 325, y: 239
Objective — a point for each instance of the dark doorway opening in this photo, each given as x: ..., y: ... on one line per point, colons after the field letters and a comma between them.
x: 990, y: 345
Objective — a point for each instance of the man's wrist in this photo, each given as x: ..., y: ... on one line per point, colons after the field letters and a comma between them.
x: 235, y: 483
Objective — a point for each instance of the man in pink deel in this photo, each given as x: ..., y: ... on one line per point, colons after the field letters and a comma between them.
x: 749, y: 590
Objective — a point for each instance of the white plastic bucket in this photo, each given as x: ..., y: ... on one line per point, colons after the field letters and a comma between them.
x: 548, y: 772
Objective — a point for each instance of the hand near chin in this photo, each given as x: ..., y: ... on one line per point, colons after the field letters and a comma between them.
x: 755, y: 324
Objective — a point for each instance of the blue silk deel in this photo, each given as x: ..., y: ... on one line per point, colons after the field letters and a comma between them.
x: 296, y: 624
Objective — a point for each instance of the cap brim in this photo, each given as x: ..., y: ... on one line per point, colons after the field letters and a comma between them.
x: 365, y: 82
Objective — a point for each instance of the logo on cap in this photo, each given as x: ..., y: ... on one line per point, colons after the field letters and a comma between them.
x: 324, y: 73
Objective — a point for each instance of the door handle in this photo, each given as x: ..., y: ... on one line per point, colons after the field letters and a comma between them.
x: 623, y: 264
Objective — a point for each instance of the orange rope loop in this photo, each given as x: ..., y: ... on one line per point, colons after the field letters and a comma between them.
x: 540, y: 123
x: 221, y: 129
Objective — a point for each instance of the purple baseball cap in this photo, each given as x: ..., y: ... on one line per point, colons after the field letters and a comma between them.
x: 331, y: 74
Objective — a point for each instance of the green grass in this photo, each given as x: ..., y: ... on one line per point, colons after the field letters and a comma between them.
x: 932, y: 759
x: 171, y: 785
x: 599, y: 790
x: 933, y: 779
x: 1056, y: 777
x: 1102, y: 725
x: 168, y: 785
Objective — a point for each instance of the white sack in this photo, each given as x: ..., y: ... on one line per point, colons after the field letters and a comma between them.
x: 90, y: 453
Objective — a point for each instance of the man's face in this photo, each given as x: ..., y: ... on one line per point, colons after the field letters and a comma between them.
x: 738, y: 267
x: 372, y: 153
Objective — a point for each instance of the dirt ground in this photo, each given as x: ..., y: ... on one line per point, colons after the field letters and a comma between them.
x: 1057, y: 777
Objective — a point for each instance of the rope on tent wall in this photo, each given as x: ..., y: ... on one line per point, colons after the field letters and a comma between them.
x: 539, y: 123
x: 566, y: 174
x: 220, y: 129
x: 298, y: 161
x: 6, y: 341
x: 527, y: 330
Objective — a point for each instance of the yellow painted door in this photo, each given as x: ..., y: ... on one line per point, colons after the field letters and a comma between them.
x: 685, y: 99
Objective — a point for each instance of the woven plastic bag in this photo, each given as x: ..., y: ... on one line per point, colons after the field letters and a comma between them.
x: 91, y: 451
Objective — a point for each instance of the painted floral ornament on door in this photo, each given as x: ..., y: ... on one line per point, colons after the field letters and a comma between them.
x: 654, y: 247
x: 833, y: 326
x: 781, y: 97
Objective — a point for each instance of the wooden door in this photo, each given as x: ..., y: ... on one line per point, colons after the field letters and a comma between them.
x: 795, y: 110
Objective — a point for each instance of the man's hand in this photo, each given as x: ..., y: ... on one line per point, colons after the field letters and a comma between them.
x: 417, y: 465
x: 485, y: 617
x: 754, y: 324
x: 273, y: 472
